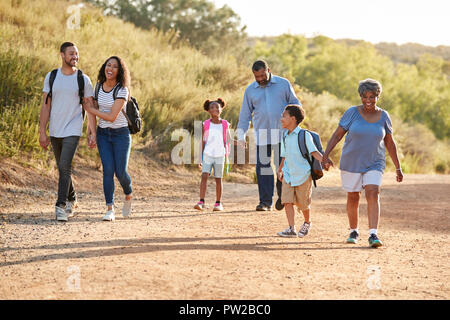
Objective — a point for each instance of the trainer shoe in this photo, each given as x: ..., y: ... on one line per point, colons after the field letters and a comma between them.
x: 278, y: 205
x: 304, y: 229
x: 126, y: 210
x: 374, y: 242
x: 70, y: 205
x: 353, y: 238
x: 200, y: 205
x: 61, y: 214
x: 288, y: 233
x: 218, y: 207
x: 109, y: 216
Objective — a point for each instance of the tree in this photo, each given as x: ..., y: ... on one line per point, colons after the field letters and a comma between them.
x: 199, y: 22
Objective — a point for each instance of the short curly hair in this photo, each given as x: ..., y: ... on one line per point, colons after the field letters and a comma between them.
x: 208, y: 102
x: 369, y: 85
x: 296, y: 111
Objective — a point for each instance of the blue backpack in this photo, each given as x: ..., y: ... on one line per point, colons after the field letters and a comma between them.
x: 316, y: 166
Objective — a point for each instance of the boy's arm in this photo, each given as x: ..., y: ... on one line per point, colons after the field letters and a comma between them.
x: 280, y: 170
x: 317, y: 155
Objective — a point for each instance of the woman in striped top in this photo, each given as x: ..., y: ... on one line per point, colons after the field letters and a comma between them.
x: 113, y: 135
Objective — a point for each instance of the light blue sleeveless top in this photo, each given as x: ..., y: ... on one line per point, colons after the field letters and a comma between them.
x: 364, y: 148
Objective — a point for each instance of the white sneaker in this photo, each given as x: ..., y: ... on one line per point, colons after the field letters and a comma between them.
x: 218, y: 207
x: 109, y: 216
x: 70, y: 205
x: 61, y: 214
x: 126, y: 210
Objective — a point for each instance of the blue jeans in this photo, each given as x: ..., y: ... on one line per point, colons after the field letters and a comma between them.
x: 264, y: 172
x: 114, y: 146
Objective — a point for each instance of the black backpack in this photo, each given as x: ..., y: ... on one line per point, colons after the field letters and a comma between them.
x: 316, y: 166
x: 80, y: 81
x: 132, y: 110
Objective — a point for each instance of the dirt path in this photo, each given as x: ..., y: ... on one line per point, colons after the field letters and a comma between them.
x: 168, y: 250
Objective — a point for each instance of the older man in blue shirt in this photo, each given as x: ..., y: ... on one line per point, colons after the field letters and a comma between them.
x: 264, y: 102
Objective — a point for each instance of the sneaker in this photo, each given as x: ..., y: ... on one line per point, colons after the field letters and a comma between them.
x: 374, y: 242
x: 353, y: 238
x: 263, y: 207
x: 218, y: 207
x: 109, y: 216
x: 278, y: 205
x: 200, y: 205
x: 288, y: 233
x: 304, y: 229
x: 126, y: 210
x: 61, y: 214
x: 70, y: 205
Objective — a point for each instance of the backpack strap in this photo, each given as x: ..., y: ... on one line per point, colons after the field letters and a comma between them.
x: 116, y: 90
x: 50, y: 81
x: 206, y: 125
x: 226, y: 144
x: 302, y: 144
x: 80, y: 80
x: 304, y: 150
x: 96, y: 90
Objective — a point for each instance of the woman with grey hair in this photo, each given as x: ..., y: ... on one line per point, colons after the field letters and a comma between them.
x: 362, y: 163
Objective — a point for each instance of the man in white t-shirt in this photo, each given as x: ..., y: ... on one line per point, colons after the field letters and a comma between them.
x: 61, y: 108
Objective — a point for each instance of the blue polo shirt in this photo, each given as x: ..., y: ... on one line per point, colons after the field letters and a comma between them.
x: 296, y: 169
x: 264, y: 106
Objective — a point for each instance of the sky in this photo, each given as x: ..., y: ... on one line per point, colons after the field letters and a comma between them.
x: 400, y: 21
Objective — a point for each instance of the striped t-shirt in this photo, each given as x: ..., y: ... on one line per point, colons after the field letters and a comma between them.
x: 105, y: 102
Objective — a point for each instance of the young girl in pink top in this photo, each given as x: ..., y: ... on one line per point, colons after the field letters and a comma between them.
x: 215, y: 149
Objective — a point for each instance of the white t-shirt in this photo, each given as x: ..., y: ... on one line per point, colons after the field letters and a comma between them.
x: 214, y: 146
x: 65, y: 116
x: 105, y: 102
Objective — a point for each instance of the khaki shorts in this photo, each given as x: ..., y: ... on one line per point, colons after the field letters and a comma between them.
x: 298, y: 195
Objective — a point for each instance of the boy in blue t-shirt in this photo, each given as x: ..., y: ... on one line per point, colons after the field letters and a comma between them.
x: 295, y: 171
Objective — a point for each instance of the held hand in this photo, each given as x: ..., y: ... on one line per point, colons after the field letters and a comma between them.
x: 326, y: 163
x: 280, y: 175
x: 44, y: 140
x: 92, y: 141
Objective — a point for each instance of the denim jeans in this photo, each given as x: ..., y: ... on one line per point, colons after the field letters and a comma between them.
x: 264, y: 172
x: 114, y: 146
x: 64, y: 151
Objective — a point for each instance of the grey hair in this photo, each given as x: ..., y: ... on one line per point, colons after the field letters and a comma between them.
x: 369, y: 85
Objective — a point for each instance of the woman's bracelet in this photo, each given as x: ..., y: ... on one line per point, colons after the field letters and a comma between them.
x: 399, y: 169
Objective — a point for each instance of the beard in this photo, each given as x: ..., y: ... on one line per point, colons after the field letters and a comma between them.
x: 265, y: 82
x: 70, y: 62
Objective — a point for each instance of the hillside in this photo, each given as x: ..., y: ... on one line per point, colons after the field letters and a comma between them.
x: 403, y: 53
x: 170, y: 79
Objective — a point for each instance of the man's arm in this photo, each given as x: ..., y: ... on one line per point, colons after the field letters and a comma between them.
x: 292, y: 98
x: 44, y: 117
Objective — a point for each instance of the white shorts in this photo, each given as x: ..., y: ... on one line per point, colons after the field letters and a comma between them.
x: 355, y: 182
